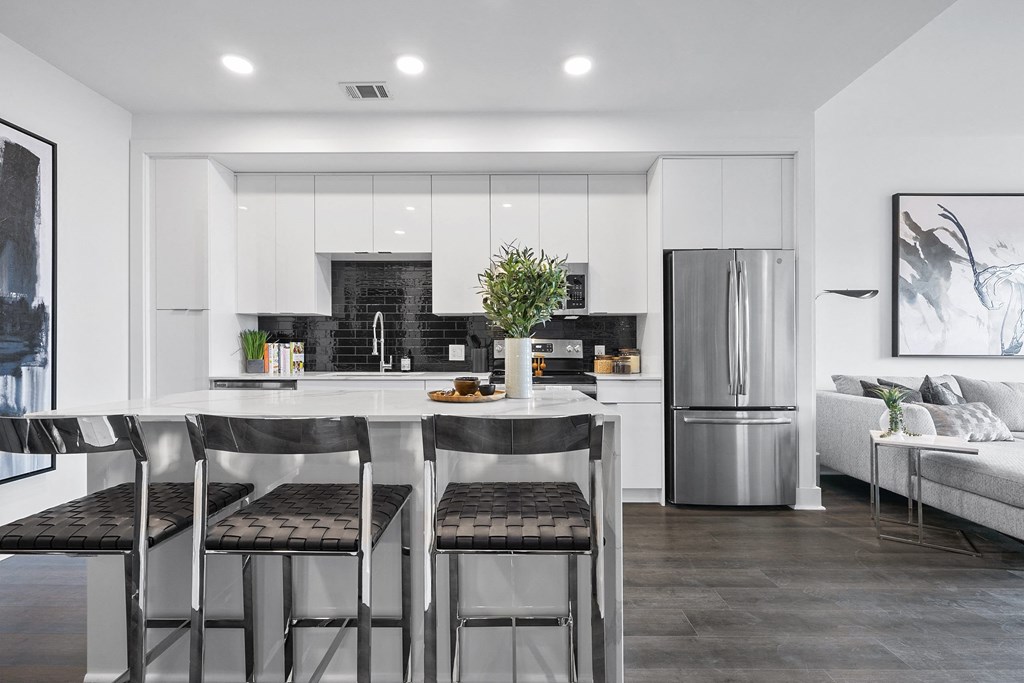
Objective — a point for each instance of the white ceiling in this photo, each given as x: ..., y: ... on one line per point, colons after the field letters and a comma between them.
x: 481, y: 55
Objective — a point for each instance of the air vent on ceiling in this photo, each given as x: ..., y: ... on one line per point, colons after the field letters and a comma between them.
x: 367, y: 91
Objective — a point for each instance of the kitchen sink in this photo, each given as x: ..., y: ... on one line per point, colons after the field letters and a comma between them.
x: 372, y: 375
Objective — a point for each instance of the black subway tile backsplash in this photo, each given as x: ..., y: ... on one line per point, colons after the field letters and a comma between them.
x: 402, y: 291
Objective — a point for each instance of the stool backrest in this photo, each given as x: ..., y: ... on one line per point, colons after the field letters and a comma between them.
x: 278, y: 435
x: 70, y: 435
x: 511, y: 436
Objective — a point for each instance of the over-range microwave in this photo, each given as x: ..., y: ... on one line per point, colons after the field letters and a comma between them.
x: 575, y: 302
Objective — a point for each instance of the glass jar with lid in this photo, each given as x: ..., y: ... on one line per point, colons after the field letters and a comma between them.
x: 604, y: 365
x: 634, y: 359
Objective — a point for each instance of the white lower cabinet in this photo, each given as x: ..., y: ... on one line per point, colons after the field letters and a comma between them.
x: 642, y: 437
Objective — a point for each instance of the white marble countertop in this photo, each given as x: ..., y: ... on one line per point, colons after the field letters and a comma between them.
x: 384, y: 405
x: 387, y: 376
x: 620, y: 377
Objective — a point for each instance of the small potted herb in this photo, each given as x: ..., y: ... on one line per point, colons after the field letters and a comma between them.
x: 521, y: 290
x: 254, y: 343
x: 893, y: 398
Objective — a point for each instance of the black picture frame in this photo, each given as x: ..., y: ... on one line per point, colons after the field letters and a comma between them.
x: 898, y: 284
x: 49, y: 463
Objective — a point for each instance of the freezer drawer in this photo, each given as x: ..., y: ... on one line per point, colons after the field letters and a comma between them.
x: 733, y: 458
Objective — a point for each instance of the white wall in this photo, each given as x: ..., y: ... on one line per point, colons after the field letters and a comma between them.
x: 92, y: 136
x: 941, y: 113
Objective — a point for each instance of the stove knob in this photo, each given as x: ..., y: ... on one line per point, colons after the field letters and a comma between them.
x: 578, y: 348
x: 499, y: 347
x: 568, y: 348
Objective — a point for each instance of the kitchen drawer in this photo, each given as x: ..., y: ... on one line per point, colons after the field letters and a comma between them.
x: 629, y: 391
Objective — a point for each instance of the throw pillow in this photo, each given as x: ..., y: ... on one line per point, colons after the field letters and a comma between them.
x: 847, y: 384
x: 971, y: 421
x: 870, y: 389
x: 1006, y: 399
x: 909, y: 395
x: 940, y: 394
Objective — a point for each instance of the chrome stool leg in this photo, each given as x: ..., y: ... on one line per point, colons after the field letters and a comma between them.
x: 596, y: 620
x: 453, y: 617
x: 289, y: 634
x: 406, y: 523
x: 248, y: 618
x: 574, y: 600
x: 430, y: 617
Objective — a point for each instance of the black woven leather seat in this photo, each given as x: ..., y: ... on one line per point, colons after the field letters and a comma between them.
x: 306, y: 517
x: 513, y: 516
x: 103, y: 520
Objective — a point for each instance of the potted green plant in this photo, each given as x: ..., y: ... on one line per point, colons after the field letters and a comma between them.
x: 254, y: 343
x: 521, y: 290
x: 893, y: 398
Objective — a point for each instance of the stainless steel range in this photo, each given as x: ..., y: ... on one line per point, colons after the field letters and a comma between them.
x: 564, y: 361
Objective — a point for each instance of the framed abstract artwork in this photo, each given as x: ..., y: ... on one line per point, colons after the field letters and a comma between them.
x: 958, y: 275
x: 28, y: 233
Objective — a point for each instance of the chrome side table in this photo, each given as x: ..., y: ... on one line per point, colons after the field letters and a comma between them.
x: 914, y: 445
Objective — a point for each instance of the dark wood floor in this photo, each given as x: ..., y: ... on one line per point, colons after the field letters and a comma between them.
x: 712, y: 595
x: 777, y: 596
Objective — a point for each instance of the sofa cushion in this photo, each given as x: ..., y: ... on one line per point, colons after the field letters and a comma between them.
x: 1006, y: 399
x: 971, y: 421
x: 997, y: 472
x: 850, y: 384
x: 940, y: 394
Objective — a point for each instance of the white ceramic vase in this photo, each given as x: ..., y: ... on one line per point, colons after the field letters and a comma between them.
x: 519, y: 368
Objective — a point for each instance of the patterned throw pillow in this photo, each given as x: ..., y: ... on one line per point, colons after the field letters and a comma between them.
x: 909, y: 395
x: 940, y: 394
x: 870, y: 389
x: 970, y: 421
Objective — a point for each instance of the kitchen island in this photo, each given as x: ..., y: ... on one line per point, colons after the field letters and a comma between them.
x: 523, y: 585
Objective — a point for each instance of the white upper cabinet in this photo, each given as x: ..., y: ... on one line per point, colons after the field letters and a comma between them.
x: 515, y: 211
x: 344, y: 213
x: 564, y: 216
x: 278, y: 269
x: 460, y: 209
x: 401, y: 214
x: 257, y: 243
x: 727, y: 203
x: 692, y: 203
x: 618, y: 244
x: 752, y: 203
x: 180, y: 227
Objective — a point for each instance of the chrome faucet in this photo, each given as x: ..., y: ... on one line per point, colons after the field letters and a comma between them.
x: 383, y: 366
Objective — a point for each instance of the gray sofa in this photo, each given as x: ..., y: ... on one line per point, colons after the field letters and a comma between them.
x: 987, y: 488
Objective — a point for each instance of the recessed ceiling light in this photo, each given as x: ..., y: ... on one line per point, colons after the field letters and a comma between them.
x: 577, y: 66
x: 243, y: 208
x: 506, y: 206
x: 410, y: 208
x: 399, y: 232
x: 410, y: 64
x: 237, y: 64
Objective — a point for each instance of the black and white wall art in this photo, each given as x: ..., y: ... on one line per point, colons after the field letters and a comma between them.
x: 28, y: 166
x: 958, y: 275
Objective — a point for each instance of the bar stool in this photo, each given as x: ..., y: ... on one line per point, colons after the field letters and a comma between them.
x: 513, y: 518
x: 344, y: 520
x: 128, y: 519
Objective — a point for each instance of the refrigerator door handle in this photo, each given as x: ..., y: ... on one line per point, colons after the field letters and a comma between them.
x: 743, y: 345
x: 731, y: 322
x: 737, y: 420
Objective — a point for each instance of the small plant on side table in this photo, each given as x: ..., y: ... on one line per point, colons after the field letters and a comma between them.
x: 254, y: 343
x: 893, y: 398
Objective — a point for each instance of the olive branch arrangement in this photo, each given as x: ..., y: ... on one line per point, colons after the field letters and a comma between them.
x: 521, y: 290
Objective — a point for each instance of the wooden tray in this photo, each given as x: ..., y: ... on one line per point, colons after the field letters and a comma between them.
x: 441, y: 396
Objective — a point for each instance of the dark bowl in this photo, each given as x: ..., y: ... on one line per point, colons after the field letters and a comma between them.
x: 487, y: 389
x: 467, y: 386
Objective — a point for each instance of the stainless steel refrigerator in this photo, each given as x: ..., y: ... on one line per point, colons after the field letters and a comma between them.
x: 730, y: 333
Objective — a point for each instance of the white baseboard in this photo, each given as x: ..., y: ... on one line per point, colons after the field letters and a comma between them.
x: 641, y: 495
x: 808, y: 498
